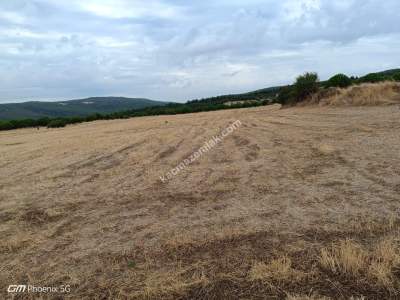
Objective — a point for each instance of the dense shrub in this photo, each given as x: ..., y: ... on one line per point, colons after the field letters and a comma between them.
x: 75, y: 120
x: 42, y: 122
x: 286, y: 95
x: 373, y: 78
x: 57, y: 123
x: 339, y: 80
x: 396, y: 77
x: 306, y: 85
x: 93, y: 117
x: 23, y: 123
x: 6, y: 125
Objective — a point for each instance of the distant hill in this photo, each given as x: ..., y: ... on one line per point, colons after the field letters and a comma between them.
x: 125, y: 106
x: 269, y: 93
x: 389, y: 72
x: 70, y: 108
x: 262, y: 94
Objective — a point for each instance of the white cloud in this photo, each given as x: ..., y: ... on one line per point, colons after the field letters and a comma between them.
x: 178, y: 50
x: 12, y: 17
x: 295, y: 10
x: 128, y: 9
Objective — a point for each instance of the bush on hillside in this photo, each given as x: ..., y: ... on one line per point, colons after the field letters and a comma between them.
x: 42, y: 121
x: 306, y: 85
x: 373, y: 78
x: 339, y: 80
x: 57, y: 123
x: 286, y: 95
x: 6, y: 125
x: 396, y: 77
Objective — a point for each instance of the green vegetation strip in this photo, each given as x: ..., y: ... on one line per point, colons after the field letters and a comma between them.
x: 304, y: 86
x: 170, y: 109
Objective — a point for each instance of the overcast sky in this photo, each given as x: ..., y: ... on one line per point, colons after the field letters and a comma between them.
x: 181, y: 49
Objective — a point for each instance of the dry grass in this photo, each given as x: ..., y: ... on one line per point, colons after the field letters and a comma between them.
x: 176, y: 282
x: 369, y: 94
x: 297, y: 297
x: 378, y: 264
x: 384, y: 261
x: 14, y: 244
x: 346, y: 257
x: 84, y: 206
x: 279, y: 269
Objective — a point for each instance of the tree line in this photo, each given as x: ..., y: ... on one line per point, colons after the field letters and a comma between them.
x: 308, y: 84
x: 304, y: 86
x: 169, y: 109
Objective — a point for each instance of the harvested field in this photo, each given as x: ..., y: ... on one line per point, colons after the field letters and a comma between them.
x: 297, y: 203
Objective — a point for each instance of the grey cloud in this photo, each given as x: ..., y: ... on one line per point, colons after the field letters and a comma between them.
x: 178, y: 50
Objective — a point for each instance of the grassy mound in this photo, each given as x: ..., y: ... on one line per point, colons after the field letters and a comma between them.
x: 368, y: 94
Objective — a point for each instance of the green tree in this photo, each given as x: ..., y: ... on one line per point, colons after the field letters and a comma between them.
x: 396, y: 77
x: 6, y: 125
x: 57, y: 123
x: 373, y: 78
x: 306, y: 85
x: 286, y: 95
x: 339, y: 80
